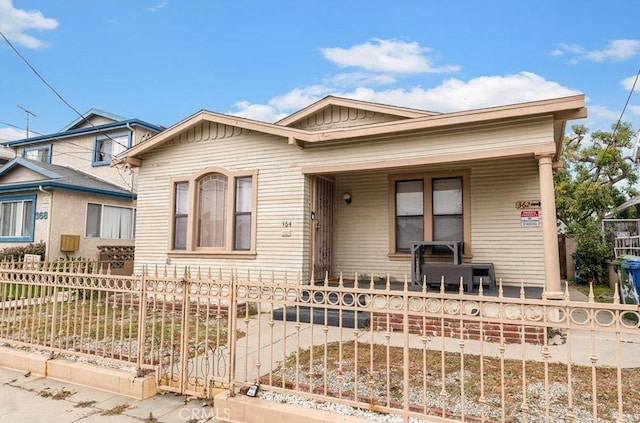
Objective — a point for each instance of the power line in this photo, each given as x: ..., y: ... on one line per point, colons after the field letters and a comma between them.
x: 633, y: 87
x: 20, y: 128
x: 33, y: 69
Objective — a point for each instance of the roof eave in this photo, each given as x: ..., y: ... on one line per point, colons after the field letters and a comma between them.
x: 348, y: 102
x: 83, y: 131
x: 561, y: 109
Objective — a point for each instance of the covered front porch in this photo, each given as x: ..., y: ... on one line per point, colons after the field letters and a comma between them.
x: 486, y: 214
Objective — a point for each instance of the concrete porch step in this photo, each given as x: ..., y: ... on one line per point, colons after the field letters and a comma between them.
x: 304, y: 314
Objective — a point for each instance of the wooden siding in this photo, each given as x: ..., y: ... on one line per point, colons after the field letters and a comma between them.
x: 342, y: 117
x: 284, y: 195
x: 496, y: 231
x: 497, y: 236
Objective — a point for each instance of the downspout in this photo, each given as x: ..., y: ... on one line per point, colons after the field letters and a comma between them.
x: 49, y: 218
x: 131, y: 182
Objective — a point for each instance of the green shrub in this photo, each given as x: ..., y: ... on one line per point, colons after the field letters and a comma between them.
x: 17, y: 253
x: 591, y: 253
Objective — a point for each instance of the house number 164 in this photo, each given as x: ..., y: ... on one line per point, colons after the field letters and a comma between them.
x: 286, y: 223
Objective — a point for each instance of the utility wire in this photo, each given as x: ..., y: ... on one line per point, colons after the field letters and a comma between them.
x: 33, y: 69
x: 633, y: 87
x: 17, y: 127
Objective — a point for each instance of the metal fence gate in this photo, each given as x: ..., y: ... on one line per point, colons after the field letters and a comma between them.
x: 186, y: 335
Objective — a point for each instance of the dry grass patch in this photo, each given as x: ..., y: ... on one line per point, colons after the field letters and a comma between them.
x: 381, y: 374
x: 114, y: 411
x: 58, y: 394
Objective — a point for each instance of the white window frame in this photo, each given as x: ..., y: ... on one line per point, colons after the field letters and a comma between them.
x: 20, y: 201
x: 48, y: 148
x: 121, y: 141
x: 103, y: 232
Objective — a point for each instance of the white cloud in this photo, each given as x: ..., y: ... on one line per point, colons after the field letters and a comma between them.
x: 261, y: 112
x: 361, y: 78
x: 394, y: 56
x: 161, y: 5
x: 603, y: 113
x: 615, y: 51
x: 628, y: 83
x: 10, y: 134
x: 452, y: 95
x: 15, y: 22
x: 633, y: 109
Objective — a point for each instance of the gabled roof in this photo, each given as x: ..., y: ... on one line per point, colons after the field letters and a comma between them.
x: 328, y: 101
x: 86, y: 130
x: 59, y: 177
x: 90, y: 113
x: 560, y: 109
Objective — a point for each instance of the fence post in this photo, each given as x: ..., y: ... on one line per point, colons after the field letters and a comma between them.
x: 54, y: 318
x: 233, y: 313
x: 184, y: 331
x: 142, y: 317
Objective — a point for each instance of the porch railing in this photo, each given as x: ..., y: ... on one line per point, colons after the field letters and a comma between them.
x: 372, y: 344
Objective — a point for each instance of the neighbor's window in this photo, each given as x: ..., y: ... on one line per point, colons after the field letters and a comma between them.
x: 39, y: 154
x: 429, y: 208
x: 223, y: 215
x: 107, y: 147
x: 17, y: 217
x: 110, y: 222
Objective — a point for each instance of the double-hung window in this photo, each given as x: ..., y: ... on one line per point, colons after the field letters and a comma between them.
x: 17, y: 218
x: 39, y: 154
x: 214, y: 213
x: 429, y: 207
x: 409, y: 213
x: 180, y: 215
x: 110, y: 222
x: 107, y: 147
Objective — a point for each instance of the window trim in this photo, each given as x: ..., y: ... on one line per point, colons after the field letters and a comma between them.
x: 48, y: 147
x: 16, y: 198
x: 427, y: 178
x: 192, y: 221
x: 94, y: 159
x: 102, y: 206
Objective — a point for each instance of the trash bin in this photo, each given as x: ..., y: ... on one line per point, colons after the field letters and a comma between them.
x: 621, y: 273
x: 576, y: 268
x: 630, y: 286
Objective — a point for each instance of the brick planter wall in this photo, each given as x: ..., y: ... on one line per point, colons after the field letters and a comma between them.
x: 431, y: 326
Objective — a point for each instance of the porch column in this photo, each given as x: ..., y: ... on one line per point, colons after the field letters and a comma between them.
x: 553, y: 288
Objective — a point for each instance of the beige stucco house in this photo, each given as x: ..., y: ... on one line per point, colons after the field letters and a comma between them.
x: 60, y: 189
x: 348, y: 186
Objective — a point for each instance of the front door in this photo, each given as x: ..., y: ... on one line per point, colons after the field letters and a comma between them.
x: 322, y: 214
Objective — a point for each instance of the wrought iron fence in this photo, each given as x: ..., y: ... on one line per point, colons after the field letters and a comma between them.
x: 374, y: 344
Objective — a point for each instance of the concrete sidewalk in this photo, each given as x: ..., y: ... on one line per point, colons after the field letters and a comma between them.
x: 35, y: 399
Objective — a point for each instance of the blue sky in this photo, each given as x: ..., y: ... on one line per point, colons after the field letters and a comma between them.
x: 163, y: 60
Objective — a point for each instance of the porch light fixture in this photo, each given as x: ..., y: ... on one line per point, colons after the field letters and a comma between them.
x: 347, y: 198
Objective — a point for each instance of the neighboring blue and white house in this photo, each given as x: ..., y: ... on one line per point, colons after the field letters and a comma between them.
x: 61, y: 189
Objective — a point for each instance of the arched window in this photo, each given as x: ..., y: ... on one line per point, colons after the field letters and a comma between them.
x: 212, y: 207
